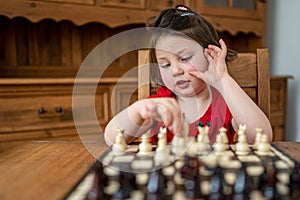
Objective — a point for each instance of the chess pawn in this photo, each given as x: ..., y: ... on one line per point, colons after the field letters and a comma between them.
x: 162, y: 153
x: 203, y: 143
x: 223, y: 135
x: 259, y: 133
x: 264, y: 148
x: 221, y: 141
x: 120, y: 144
x: 145, y: 147
x: 193, y: 149
x: 220, y: 145
x: 242, y: 147
x: 179, y: 145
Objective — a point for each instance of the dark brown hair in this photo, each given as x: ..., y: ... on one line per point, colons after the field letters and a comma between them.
x: 181, y: 21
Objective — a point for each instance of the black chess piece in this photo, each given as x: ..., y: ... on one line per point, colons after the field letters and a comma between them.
x: 100, y: 181
x: 268, y: 181
x: 190, y: 168
x: 217, y: 182
x: 243, y: 185
x: 156, y: 186
x: 127, y: 182
x: 294, y: 185
x: 201, y: 124
x: 190, y: 172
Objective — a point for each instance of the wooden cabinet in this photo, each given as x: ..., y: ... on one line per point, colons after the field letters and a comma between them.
x: 43, y: 108
x: 278, y: 107
x: 47, y: 40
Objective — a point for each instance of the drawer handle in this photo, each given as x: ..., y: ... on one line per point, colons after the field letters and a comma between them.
x: 43, y: 113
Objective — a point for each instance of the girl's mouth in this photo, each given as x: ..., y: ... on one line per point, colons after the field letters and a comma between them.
x: 182, y: 84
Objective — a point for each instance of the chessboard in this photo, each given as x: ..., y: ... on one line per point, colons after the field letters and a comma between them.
x: 192, y: 168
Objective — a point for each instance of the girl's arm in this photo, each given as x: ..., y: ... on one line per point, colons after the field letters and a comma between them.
x: 241, y: 106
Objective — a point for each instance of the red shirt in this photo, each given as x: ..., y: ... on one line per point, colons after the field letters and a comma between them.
x: 217, y: 114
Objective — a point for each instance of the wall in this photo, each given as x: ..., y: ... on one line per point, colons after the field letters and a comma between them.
x: 283, y: 33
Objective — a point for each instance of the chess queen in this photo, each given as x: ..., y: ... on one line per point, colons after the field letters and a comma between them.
x: 189, y: 62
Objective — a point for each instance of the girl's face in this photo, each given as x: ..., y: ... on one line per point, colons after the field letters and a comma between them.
x: 176, y: 57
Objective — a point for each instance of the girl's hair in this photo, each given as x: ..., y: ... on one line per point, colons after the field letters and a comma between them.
x: 184, y: 22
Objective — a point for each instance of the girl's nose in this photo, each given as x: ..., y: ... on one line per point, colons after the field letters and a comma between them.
x: 177, y: 70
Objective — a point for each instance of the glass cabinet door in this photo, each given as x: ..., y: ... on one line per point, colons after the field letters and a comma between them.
x: 243, y: 4
x: 216, y: 2
x: 232, y: 8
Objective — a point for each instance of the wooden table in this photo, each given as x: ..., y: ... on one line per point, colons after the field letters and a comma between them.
x: 44, y: 169
x: 49, y: 169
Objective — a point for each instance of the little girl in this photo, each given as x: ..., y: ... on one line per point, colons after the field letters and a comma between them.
x: 189, y: 61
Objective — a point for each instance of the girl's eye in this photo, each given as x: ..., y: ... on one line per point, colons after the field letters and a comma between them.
x: 165, y: 65
x: 185, y: 59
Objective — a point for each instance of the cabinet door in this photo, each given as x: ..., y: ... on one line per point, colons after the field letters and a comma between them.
x: 233, y: 8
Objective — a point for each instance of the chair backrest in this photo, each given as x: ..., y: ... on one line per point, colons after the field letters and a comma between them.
x: 250, y: 70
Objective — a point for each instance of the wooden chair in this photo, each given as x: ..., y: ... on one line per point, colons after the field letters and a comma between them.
x: 250, y: 70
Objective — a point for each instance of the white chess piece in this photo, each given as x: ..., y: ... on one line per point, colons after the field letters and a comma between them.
x: 181, y: 142
x: 242, y: 147
x: 264, y: 147
x: 120, y: 144
x: 259, y: 133
x: 162, y: 153
x: 162, y: 139
x: 145, y: 147
x: 220, y: 145
x: 203, y: 140
x: 224, y: 135
x: 193, y: 148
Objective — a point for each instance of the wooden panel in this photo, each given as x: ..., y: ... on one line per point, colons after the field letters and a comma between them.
x: 163, y: 4
x: 49, y: 49
x: 244, y: 70
x: 278, y: 94
x: 21, y: 28
x: 88, y: 2
x: 278, y: 105
x: 236, y: 25
x: 263, y: 86
x: 125, y: 4
x: 123, y: 95
x: 143, y: 74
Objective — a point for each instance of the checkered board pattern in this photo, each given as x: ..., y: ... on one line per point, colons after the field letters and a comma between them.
x: 219, y: 175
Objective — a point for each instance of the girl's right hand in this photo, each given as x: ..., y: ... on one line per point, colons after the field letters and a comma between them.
x: 166, y: 110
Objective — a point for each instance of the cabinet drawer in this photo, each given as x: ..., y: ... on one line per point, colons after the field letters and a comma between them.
x: 48, y: 108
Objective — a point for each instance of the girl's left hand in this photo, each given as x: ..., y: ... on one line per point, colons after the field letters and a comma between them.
x: 217, y: 68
